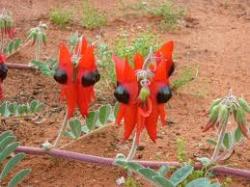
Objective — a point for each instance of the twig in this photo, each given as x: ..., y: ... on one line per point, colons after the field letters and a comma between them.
x: 219, y: 170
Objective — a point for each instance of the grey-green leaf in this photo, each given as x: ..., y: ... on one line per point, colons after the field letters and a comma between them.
x: 147, y: 173
x: 5, y: 134
x: 91, y: 120
x: 134, y: 166
x: 202, y: 182
x: 104, y: 113
x: 8, y: 150
x: 6, y: 141
x: 75, y: 126
x: 237, y: 135
x: 162, y: 181
x: 228, y: 140
x: 181, y: 174
x: 11, y: 164
x: 19, y: 177
x: 163, y: 170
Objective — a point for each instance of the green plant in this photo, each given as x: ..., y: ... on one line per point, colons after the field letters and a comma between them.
x: 158, y: 178
x: 121, y: 47
x: 104, y: 60
x: 95, y: 120
x: 181, y: 150
x: 186, y: 75
x: 38, y: 37
x: 8, y: 145
x: 170, y: 14
x: 91, y: 17
x: 131, y: 182
x: 219, y: 114
x: 142, y: 44
x: 47, y: 67
x: 60, y: 17
x: 8, y: 109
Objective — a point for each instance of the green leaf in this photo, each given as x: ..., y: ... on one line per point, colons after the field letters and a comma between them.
x: 162, y: 181
x: 85, y: 129
x: 211, y: 142
x: 147, y: 173
x: 69, y: 134
x: 4, y: 109
x: 12, y: 46
x: 181, y: 174
x: 134, y: 166
x: 202, y: 182
x: 8, y: 150
x: 163, y: 170
x: 35, y: 106
x: 228, y: 140
x: 11, y: 164
x: 13, y: 108
x: 19, y: 177
x: 237, y: 135
x: 91, y: 120
x: 116, y: 108
x: 75, y: 127
x: 205, y: 161
x: 43, y: 67
x: 5, y: 134
x: 6, y: 141
x: 121, y: 162
x: 104, y: 113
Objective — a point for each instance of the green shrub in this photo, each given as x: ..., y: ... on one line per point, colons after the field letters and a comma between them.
x: 91, y: 17
x: 60, y: 17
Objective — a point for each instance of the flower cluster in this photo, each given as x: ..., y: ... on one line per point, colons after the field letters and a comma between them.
x: 77, y: 74
x: 143, y: 90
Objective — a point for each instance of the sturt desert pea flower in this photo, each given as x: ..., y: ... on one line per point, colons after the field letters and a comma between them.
x: 3, y: 73
x: 77, y: 73
x: 142, y: 92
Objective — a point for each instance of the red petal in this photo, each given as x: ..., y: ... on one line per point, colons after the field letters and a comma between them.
x: 70, y: 93
x: 167, y: 50
x: 124, y: 73
x: 120, y: 114
x: 151, y: 123
x: 129, y: 120
x: 87, y: 61
x: 161, y: 72
x: 163, y: 116
x: 138, y: 59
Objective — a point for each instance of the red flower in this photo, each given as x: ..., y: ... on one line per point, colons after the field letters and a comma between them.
x: 136, y: 113
x: 77, y: 81
x: 3, y: 73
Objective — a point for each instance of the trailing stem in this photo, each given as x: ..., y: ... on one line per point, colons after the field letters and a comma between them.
x: 221, y: 170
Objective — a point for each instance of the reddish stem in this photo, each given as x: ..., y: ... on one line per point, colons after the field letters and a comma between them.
x: 20, y: 66
x: 219, y: 170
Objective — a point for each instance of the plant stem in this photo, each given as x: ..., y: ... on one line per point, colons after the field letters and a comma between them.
x: 60, y: 132
x: 216, y: 152
x: 20, y: 66
x: 132, y: 150
x: 221, y: 170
